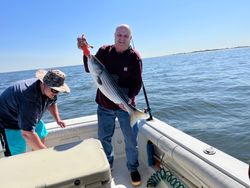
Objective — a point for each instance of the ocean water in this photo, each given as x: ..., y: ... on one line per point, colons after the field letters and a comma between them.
x: 205, y: 94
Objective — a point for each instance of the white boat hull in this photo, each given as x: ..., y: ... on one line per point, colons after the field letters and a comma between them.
x: 194, y: 163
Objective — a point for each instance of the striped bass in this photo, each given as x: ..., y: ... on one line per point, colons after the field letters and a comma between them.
x: 107, y: 85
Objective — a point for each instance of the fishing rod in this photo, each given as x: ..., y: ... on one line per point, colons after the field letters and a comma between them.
x: 145, y: 93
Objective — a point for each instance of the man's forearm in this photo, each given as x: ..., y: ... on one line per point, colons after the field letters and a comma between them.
x: 54, y: 112
x: 33, y: 140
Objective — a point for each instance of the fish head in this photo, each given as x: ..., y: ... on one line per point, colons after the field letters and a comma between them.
x: 95, y: 66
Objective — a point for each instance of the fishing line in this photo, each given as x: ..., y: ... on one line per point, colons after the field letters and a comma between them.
x: 145, y: 93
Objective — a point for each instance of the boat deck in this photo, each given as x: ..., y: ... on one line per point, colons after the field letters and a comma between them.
x: 121, y: 176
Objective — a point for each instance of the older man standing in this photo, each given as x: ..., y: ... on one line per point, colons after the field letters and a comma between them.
x: 125, y: 65
x: 23, y: 104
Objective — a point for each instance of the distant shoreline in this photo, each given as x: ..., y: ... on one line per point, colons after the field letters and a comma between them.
x: 216, y: 49
x: 200, y: 51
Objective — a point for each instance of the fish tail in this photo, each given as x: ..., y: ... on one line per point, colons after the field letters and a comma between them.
x: 137, y: 115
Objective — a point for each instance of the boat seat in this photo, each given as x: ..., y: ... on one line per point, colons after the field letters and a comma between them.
x: 79, y: 164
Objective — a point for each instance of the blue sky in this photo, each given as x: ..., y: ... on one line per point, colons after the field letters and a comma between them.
x: 42, y: 34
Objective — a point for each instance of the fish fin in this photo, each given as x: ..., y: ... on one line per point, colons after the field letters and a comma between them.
x: 137, y: 115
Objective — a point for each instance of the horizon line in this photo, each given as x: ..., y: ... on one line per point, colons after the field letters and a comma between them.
x: 180, y: 53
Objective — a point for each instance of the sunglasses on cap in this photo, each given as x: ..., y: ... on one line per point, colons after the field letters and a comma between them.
x: 54, y: 91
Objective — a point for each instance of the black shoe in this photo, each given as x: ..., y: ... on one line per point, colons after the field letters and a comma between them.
x: 136, y: 178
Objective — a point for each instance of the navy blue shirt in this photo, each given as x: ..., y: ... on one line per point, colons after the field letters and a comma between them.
x: 22, y: 105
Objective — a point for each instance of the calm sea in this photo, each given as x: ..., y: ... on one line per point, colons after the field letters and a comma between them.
x: 205, y: 94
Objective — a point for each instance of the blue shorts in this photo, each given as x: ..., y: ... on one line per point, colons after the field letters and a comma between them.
x: 16, y: 142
